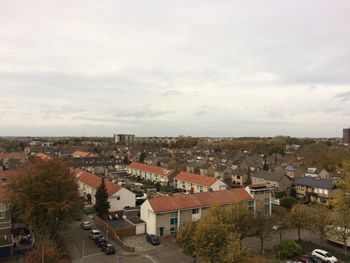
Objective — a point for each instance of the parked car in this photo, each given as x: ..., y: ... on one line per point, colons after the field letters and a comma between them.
x: 309, y: 259
x: 108, y: 248
x: 153, y: 239
x: 100, y: 240
x: 85, y: 225
x: 94, y: 234
x: 324, y: 255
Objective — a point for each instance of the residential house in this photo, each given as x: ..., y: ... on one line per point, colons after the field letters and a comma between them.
x: 206, y: 169
x: 262, y: 196
x: 194, y: 183
x: 240, y: 176
x: 280, y: 182
x: 219, y: 172
x: 293, y: 171
x: 315, y: 189
x: 13, y: 160
x: 151, y: 173
x: 81, y: 154
x: 118, y: 197
x: 99, y: 165
x: 165, y: 214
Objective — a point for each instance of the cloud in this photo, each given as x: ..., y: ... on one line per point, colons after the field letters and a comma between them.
x: 343, y: 96
x: 170, y: 93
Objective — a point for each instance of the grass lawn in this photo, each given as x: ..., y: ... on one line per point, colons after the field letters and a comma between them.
x: 307, y: 247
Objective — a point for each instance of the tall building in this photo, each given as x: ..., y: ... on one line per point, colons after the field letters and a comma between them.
x: 346, y: 136
x: 126, y: 138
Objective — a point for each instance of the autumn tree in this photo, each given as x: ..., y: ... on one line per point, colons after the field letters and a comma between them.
x: 45, y: 252
x: 263, y: 226
x: 321, y: 219
x: 102, y: 204
x: 297, y: 217
x: 184, y: 238
x: 44, y: 195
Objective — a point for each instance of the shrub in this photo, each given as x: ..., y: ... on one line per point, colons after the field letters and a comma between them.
x: 287, y: 249
x: 280, y: 194
x: 293, y: 192
x: 288, y: 202
x: 89, y: 210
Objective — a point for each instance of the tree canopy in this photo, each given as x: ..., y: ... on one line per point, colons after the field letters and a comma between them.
x: 102, y: 204
x: 44, y: 195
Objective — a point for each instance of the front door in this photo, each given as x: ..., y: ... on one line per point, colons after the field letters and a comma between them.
x: 161, y: 231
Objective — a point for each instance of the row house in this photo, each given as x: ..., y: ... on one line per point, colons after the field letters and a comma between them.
x: 13, y: 160
x: 118, y: 197
x: 280, y: 182
x: 193, y: 183
x: 164, y: 215
x: 240, y: 176
x: 317, y: 173
x: 98, y: 165
x: 151, y: 173
x: 315, y: 189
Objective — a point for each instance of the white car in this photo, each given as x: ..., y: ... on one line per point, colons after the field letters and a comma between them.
x: 94, y: 234
x: 324, y: 255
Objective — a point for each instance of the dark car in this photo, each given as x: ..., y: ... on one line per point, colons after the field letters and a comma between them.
x: 309, y: 259
x: 100, y: 240
x: 153, y: 239
x: 108, y: 248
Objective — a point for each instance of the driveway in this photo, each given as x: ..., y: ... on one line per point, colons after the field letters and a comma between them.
x: 78, y: 243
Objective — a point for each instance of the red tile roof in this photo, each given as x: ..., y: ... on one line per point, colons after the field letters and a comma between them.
x: 43, y: 156
x: 13, y: 155
x: 196, y: 179
x: 81, y: 154
x: 206, y: 199
x: 151, y: 169
x: 95, y: 182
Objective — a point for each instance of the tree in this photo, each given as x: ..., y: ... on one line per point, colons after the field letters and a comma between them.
x: 44, y: 195
x: 196, y: 170
x: 240, y: 219
x: 293, y: 192
x: 211, y: 235
x: 341, y: 228
x: 288, y: 202
x: 184, y: 239
x: 158, y: 186
x: 102, y: 204
x: 263, y: 226
x: 320, y: 218
x: 46, y: 252
x: 142, y: 157
x: 297, y: 217
x: 126, y: 160
x: 287, y: 249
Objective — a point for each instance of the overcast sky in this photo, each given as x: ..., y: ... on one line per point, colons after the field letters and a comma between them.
x: 165, y: 68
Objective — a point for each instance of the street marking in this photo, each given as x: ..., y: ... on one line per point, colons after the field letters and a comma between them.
x: 93, y: 255
x: 154, y: 260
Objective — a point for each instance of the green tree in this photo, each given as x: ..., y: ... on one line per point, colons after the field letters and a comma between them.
x: 298, y: 217
x: 142, y: 157
x: 196, y: 170
x: 126, y: 160
x: 288, y: 202
x: 287, y: 249
x: 102, y: 204
x: 44, y: 195
x: 293, y: 192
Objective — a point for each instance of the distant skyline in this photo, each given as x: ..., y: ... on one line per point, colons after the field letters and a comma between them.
x: 165, y: 68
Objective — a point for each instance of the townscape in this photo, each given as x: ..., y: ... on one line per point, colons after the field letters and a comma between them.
x: 179, y: 199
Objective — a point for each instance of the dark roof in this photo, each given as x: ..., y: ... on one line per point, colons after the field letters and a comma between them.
x: 269, y: 176
x: 240, y: 171
x: 315, y: 182
x: 94, y: 161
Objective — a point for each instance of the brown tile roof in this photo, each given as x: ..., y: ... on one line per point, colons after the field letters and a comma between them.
x: 151, y: 169
x: 206, y: 199
x: 196, y: 179
x: 95, y: 182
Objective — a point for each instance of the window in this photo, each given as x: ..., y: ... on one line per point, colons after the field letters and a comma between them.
x: 173, y: 223
x: 195, y: 211
x: 2, y: 215
x: 238, y: 177
x: 201, y: 189
x: 183, y: 185
x: 251, y: 205
x: 118, y: 197
x: 267, y: 205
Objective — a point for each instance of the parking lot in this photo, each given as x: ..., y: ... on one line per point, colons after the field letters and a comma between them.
x: 81, y: 248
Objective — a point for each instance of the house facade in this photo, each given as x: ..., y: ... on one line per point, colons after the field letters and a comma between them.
x: 151, y: 173
x: 315, y: 189
x: 165, y: 214
x: 194, y: 183
x: 118, y: 197
x: 280, y: 182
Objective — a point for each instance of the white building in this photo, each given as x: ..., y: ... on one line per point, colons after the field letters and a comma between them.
x: 119, y: 197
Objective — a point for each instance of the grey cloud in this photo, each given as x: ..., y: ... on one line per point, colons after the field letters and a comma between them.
x: 343, y: 96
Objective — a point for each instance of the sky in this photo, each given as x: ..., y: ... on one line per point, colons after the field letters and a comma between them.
x: 169, y: 68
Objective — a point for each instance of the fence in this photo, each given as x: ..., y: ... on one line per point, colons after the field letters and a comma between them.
x: 117, y: 235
